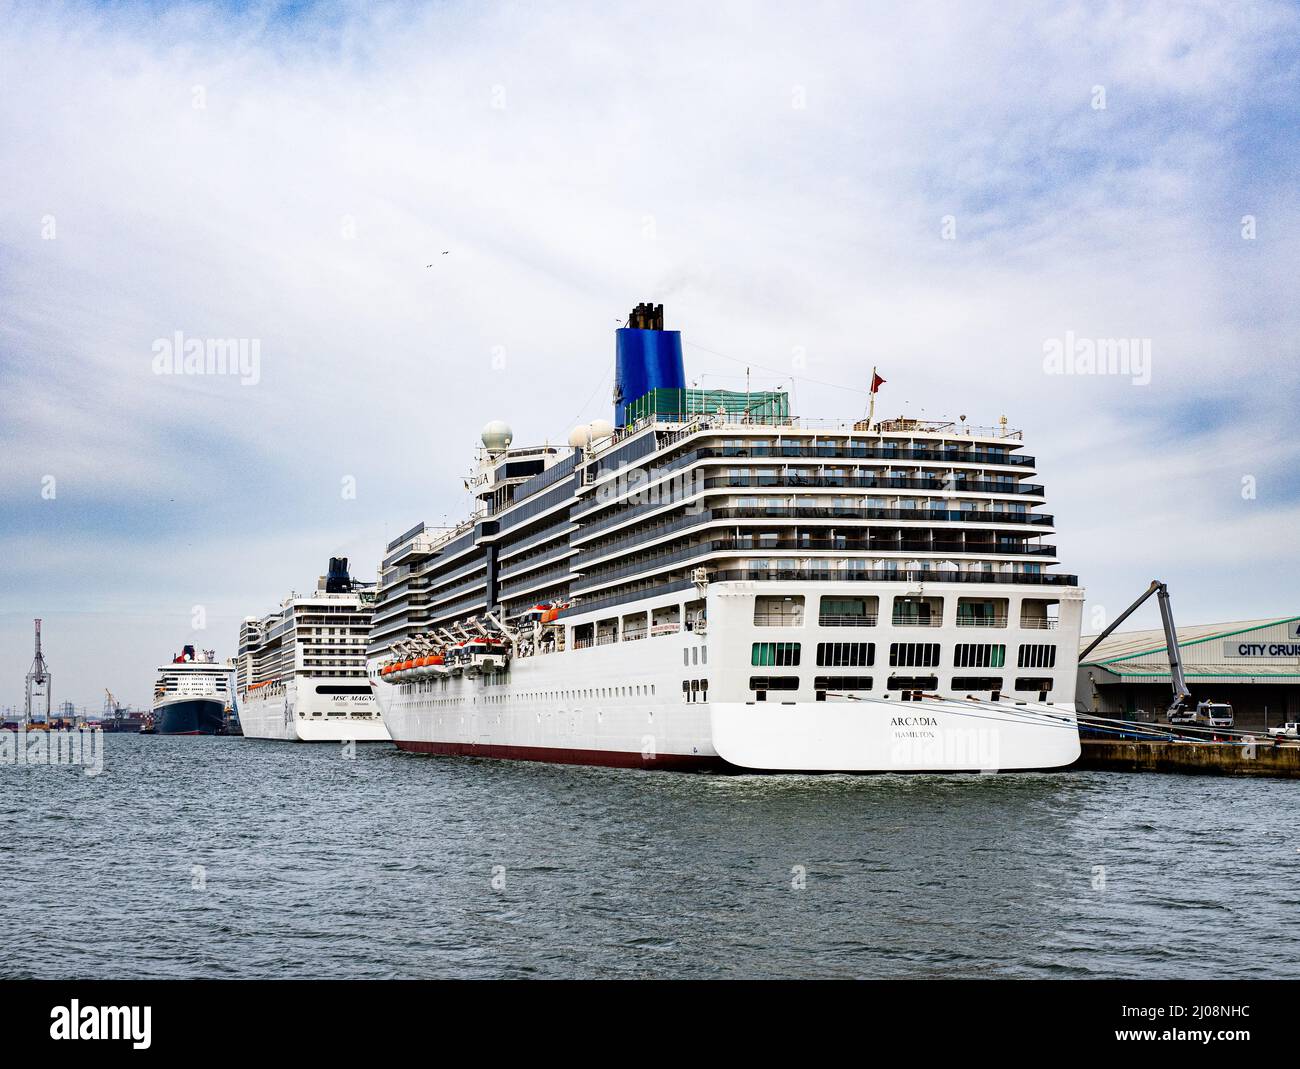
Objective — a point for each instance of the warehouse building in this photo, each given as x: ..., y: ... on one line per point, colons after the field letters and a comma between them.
x: 1254, y: 665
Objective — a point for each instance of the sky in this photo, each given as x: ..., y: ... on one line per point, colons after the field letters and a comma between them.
x: 950, y: 192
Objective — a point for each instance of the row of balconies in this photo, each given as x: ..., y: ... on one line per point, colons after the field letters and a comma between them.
x: 534, y: 581
x: 927, y: 547
x: 528, y: 564
x: 438, y: 597
x: 449, y: 613
x: 659, y: 497
x: 943, y: 454
x: 961, y: 520
x: 545, y: 534
x: 705, y: 454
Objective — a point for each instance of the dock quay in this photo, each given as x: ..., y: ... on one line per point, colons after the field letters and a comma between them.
x: 1236, y: 757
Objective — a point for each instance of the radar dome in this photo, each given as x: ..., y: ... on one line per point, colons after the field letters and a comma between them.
x: 497, y: 436
x: 580, y: 436
x: 601, y: 429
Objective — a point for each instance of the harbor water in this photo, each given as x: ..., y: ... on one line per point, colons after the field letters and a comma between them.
x: 227, y: 857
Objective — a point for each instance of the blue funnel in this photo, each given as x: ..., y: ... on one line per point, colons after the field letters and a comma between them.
x: 647, y: 357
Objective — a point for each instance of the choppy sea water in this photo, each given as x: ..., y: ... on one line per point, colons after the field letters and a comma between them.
x: 214, y: 857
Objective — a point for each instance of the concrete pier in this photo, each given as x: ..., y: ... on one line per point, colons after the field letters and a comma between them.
x: 1194, y: 758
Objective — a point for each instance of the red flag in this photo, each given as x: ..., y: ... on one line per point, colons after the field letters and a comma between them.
x: 876, y: 382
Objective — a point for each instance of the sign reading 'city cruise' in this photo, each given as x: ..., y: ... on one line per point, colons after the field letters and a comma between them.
x: 1252, y: 647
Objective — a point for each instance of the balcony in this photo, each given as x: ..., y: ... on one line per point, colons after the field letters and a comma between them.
x: 934, y: 485
x: 981, y: 621
x: 901, y: 575
x: 521, y: 565
x: 548, y: 577
x: 829, y: 620
x: 778, y: 480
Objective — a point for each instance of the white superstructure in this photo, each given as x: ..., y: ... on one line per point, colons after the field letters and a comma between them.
x: 301, y: 669
x: 720, y: 584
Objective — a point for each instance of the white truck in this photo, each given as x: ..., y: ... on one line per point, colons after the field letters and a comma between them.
x: 1206, y: 713
x: 1289, y: 730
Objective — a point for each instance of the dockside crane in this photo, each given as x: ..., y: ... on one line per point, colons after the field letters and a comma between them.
x: 1184, y: 709
x: 38, y: 683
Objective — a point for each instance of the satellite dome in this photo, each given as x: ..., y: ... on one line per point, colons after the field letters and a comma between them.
x: 497, y: 436
x: 601, y: 429
x: 580, y: 436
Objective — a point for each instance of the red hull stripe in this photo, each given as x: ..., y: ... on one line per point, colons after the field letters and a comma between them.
x: 673, y: 762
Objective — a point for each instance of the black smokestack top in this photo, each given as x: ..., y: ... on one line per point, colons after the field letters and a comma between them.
x: 337, y: 580
x: 647, y: 317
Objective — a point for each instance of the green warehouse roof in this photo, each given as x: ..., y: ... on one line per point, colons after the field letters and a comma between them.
x: 1139, y: 656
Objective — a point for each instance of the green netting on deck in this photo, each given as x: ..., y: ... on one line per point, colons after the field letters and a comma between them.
x: 681, y: 405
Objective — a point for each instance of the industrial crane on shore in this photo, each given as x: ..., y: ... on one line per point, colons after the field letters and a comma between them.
x: 1184, y: 709
x: 38, y: 684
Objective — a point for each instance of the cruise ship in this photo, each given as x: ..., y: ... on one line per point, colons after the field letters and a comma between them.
x: 710, y: 582
x: 191, y: 695
x: 301, y: 672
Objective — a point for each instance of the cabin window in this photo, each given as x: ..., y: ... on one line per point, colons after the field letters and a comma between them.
x: 774, y: 610
x: 979, y: 655
x: 981, y: 612
x: 1037, y: 655
x: 839, y: 685
x: 774, y: 654
x: 773, y: 683
x: 913, y: 683
x: 1039, y: 614
x: 1041, y: 684
x: 976, y: 682
x: 914, y: 654
x: 918, y: 612
x: 846, y: 654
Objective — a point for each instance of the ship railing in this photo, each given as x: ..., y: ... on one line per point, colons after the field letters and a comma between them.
x: 917, y: 621
x: 685, y: 423
x: 897, y: 575
x: 1034, y: 624
x: 981, y: 621
x: 867, y: 620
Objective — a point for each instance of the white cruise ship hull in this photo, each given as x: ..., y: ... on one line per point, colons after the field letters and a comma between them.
x: 623, y: 704
x: 868, y: 736
x: 892, y: 736
x: 282, y: 715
